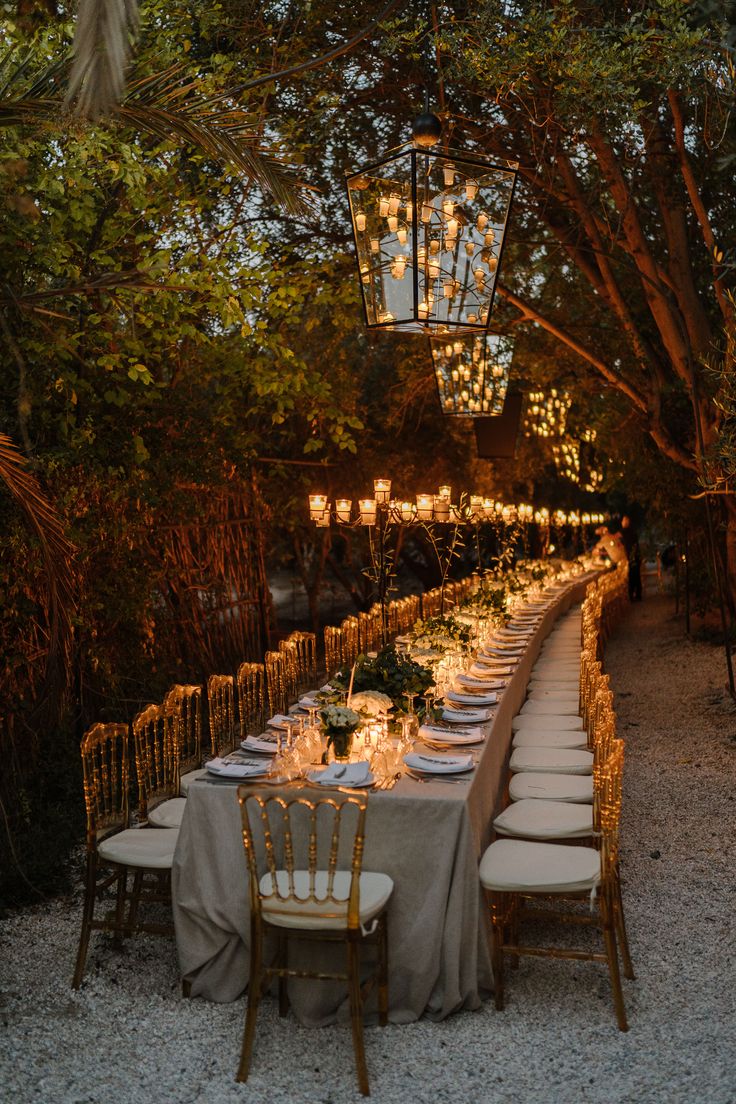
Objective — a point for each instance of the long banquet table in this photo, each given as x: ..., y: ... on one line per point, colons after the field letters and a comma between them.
x: 427, y: 836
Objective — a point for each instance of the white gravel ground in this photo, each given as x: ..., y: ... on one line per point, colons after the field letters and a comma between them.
x: 128, y: 1037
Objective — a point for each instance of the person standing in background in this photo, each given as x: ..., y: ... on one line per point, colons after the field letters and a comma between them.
x: 630, y: 540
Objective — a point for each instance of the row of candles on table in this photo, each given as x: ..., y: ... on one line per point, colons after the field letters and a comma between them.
x: 438, y: 507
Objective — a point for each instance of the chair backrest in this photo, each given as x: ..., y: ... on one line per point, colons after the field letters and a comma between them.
x: 306, y: 658
x: 154, y: 758
x: 276, y: 681
x: 183, y: 718
x: 251, y: 680
x: 290, y: 651
x: 333, y: 649
x: 610, y: 807
x: 221, y: 708
x: 104, y: 751
x: 285, y: 835
x: 350, y: 640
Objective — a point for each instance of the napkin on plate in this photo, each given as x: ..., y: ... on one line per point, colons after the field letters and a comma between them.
x: 436, y: 763
x: 232, y: 768
x: 435, y: 734
x: 489, y: 671
x: 259, y: 743
x: 343, y: 774
x: 465, y: 716
x: 279, y: 720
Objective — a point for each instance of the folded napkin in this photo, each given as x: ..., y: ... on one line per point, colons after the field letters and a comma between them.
x: 343, y: 774
x: 485, y: 670
x: 472, y: 699
x: 279, y: 720
x: 472, y: 682
x: 234, y: 768
x: 259, y: 743
x: 436, y: 734
x: 465, y: 716
x: 438, y: 763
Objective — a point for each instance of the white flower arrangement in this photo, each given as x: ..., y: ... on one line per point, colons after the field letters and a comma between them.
x: 371, y: 703
x: 340, y: 717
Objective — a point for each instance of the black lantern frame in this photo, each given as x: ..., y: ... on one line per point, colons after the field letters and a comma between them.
x: 429, y: 227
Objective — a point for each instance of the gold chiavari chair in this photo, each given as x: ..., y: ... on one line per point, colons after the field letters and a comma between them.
x: 299, y: 891
x: 350, y: 641
x: 160, y: 803
x: 251, y: 681
x: 513, y: 870
x: 276, y: 682
x: 306, y: 659
x: 183, y: 718
x: 290, y: 653
x: 114, y: 848
x: 221, y: 707
x: 333, y: 649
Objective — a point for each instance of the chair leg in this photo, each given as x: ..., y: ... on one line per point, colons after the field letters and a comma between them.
x: 356, y: 1013
x: 88, y: 912
x: 497, y: 952
x: 255, y: 982
x: 135, y: 897
x: 609, y: 938
x: 283, y: 962
x: 122, y: 888
x: 623, y: 939
x: 383, y: 972
x: 514, y: 929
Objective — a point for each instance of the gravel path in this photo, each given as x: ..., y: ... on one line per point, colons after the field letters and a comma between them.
x: 128, y: 1037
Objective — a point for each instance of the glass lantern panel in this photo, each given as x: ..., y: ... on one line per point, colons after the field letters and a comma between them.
x: 473, y: 373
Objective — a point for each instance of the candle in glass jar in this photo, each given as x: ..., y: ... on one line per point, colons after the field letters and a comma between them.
x: 367, y: 508
x: 342, y: 509
x: 407, y: 511
x: 382, y: 489
x: 401, y: 235
x: 317, y: 504
x: 445, y: 491
x: 425, y: 506
x: 383, y: 206
x: 323, y: 521
x: 423, y: 309
x: 471, y: 189
x: 441, y: 508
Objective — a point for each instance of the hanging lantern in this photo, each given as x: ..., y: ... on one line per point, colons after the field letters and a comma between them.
x: 429, y: 227
x: 472, y: 373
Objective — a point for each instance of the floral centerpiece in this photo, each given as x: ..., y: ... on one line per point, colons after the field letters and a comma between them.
x: 390, y: 675
x: 340, y: 723
x: 490, y: 600
x: 441, y: 633
x: 371, y: 703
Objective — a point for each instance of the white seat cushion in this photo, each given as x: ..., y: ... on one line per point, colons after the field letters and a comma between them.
x: 554, y: 695
x: 147, y: 848
x: 186, y: 780
x: 560, y: 651
x: 552, y: 674
x: 558, y: 707
x: 548, y: 685
x: 551, y: 760
x: 530, y: 819
x: 533, y: 737
x: 551, y: 787
x: 569, y: 666
x: 375, y: 890
x: 524, y: 722
x: 168, y: 814
x: 519, y: 866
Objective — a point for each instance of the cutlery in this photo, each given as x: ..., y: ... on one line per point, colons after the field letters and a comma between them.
x: 437, y: 778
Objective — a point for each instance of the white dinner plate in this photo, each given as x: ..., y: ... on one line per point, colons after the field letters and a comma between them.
x: 279, y: 720
x: 471, y: 699
x: 466, y: 716
x: 327, y: 777
x: 259, y: 745
x: 438, y: 764
x: 473, y: 682
x: 434, y: 734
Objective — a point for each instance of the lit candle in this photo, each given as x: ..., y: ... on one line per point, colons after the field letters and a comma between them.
x: 433, y: 269
x: 434, y: 245
x: 426, y: 212
x: 360, y: 222
x: 482, y: 221
x: 393, y: 223
x: 385, y: 316
x: 317, y: 505
x: 425, y: 506
x: 382, y: 489
x: 449, y: 288
x: 383, y: 206
x: 469, y: 248
x: 401, y: 235
x: 393, y: 203
x: 480, y: 276
x: 471, y: 189
x: 445, y: 491
x: 407, y: 511
x: 488, y: 507
x: 441, y: 508
x: 342, y: 509
x: 367, y: 507
x: 423, y: 309
x: 492, y: 264
x: 375, y: 245
x: 452, y: 227
x: 409, y: 212
x: 448, y: 208
x: 365, y: 274
x: 472, y: 318
x: 489, y: 237
x: 398, y: 267
x: 449, y: 174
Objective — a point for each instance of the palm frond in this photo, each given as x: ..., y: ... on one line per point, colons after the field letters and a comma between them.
x: 58, y: 559
x: 102, y: 47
